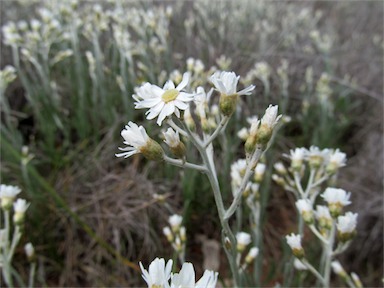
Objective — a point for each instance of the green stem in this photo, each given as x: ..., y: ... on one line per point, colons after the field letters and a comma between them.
x: 31, y: 278
x: 314, y: 272
x: 329, y: 248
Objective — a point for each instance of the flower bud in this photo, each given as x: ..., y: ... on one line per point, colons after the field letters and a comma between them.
x: 252, y: 254
x: 152, y: 150
x: 243, y: 239
x: 294, y: 241
x: 228, y: 104
x: 168, y: 233
x: 305, y: 210
x: 30, y: 252
x: 338, y: 269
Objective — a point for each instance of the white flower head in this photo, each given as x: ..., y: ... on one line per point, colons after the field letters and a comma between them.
x: 20, y: 206
x: 243, y: 133
x: 323, y: 216
x: 252, y: 254
x: 237, y: 172
x: 9, y: 191
x: 317, y: 157
x: 336, y: 160
x: 172, y: 138
x: 138, y: 141
x: 163, y: 102
x: 294, y: 241
x: 158, y: 273
x: 226, y: 83
x: 270, y: 118
x: 336, y: 196
x: 29, y: 250
x: 337, y: 268
x: 243, y: 239
x: 8, y: 194
x: 304, y: 207
x: 259, y: 171
x: 347, y: 223
x: 280, y: 168
x: 175, y: 222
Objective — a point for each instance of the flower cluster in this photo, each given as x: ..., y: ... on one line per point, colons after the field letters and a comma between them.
x: 176, y: 234
x: 159, y: 274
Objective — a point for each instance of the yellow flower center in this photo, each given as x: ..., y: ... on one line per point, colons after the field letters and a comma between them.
x: 170, y: 95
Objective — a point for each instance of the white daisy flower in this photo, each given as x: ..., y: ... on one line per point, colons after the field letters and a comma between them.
x: 163, y: 102
x: 158, y: 273
x: 226, y: 83
x: 138, y: 141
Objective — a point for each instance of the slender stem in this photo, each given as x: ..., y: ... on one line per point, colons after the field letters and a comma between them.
x: 7, y: 228
x: 321, y: 180
x: 298, y: 184
x: 15, y: 239
x: 314, y: 272
x: 309, y: 184
x: 248, y: 172
x: 219, y: 128
x: 318, y: 234
x: 177, y: 128
x: 327, y: 270
x: 31, y: 278
x: 181, y: 163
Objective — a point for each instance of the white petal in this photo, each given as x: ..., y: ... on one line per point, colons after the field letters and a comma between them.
x: 169, y: 85
x: 184, y: 81
x: 247, y: 91
x: 153, y: 112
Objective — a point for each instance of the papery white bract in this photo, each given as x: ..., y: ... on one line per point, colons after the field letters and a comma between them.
x: 163, y: 102
x: 158, y: 273
x: 226, y: 83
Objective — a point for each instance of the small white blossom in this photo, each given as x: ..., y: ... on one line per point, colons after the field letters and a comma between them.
x: 338, y: 158
x: 347, y: 223
x: 172, y: 138
x: 158, y: 273
x: 20, y: 206
x: 304, y: 205
x: 322, y: 212
x: 226, y: 83
x: 243, y: 239
x: 294, y: 241
x: 280, y: 168
x: 9, y: 191
x: 175, y: 221
x: 252, y: 254
x: 270, y: 118
x: 135, y: 137
x: 29, y: 250
x: 259, y: 171
x: 337, y: 268
x: 237, y: 172
x: 336, y: 196
x: 163, y: 102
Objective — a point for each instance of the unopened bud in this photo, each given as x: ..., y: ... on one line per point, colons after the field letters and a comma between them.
x: 152, y: 150
x: 228, y: 104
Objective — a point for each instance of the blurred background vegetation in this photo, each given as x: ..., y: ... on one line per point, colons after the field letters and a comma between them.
x: 75, y: 68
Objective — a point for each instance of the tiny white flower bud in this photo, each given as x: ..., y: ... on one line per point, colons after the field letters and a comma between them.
x: 243, y: 239
x: 338, y: 269
x: 356, y: 280
x: 336, y: 199
x: 175, y: 222
x: 294, y: 241
x: 252, y: 254
x: 168, y: 233
x: 305, y: 209
x: 20, y: 207
x: 280, y: 168
x: 346, y: 226
x: 8, y: 194
x: 29, y: 251
x: 259, y: 172
x: 299, y: 265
